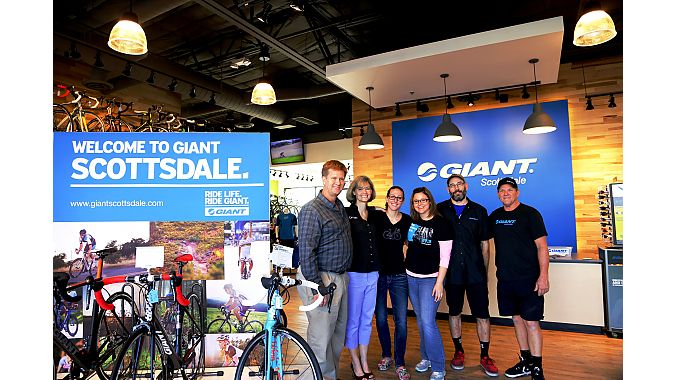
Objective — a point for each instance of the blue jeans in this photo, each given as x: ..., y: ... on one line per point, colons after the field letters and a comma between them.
x: 397, y: 284
x: 431, y: 346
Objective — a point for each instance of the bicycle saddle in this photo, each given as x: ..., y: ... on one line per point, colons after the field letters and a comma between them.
x: 184, y: 258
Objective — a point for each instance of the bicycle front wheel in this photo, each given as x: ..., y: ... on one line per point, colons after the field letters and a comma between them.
x: 219, y: 326
x: 113, y: 329
x: 295, y: 361
x: 252, y: 327
x: 192, y: 338
x: 62, y: 119
x: 76, y: 267
x: 71, y: 325
x: 142, y: 357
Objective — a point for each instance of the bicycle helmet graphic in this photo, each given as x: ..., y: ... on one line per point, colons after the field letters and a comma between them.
x: 83, y: 231
x: 222, y: 337
x: 72, y: 293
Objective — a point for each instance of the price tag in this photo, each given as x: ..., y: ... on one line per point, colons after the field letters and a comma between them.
x: 153, y: 297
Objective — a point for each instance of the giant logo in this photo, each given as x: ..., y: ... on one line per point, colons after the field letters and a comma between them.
x: 427, y: 171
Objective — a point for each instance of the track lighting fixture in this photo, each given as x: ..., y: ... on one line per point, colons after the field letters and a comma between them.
x: 590, y: 106
x: 73, y: 53
x: 447, y: 131
x: 127, y: 70
x: 212, y: 100
x: 173, y: 84
x: 265, y: 53
x: 538, y: 122
x: 151, y: 78
x: 193, y: 92
x: 98, y: 62
x: 297, y: 5
x: 264, y: 15
x: 371, y: 140
x: 127, y: 36
x: 611, y: 101
x: 502, y: 98
x: 397, y: 110
x: 470, y: 100
x: 594, y: 27
x: 421, y: 107
x: 524, y: 93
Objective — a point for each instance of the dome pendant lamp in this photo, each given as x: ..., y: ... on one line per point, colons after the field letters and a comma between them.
x: 594, y: 27
x: 127, y: 36
x: 447, y: 131
x: 263, y: 94
x: 538, y: 122
x: 371, y: 140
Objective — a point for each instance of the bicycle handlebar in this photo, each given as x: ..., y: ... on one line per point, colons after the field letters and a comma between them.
x: 98, y: 284
x: 268, y: 282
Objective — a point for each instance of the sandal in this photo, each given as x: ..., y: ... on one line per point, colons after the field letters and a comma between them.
x: 369, y: 376
x: 384, y: 364
x: 356, y: 377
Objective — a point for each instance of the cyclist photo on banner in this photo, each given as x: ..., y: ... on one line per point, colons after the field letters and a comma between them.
x: 230, y: 310
x: 225, y: 350
x: 87, y: 244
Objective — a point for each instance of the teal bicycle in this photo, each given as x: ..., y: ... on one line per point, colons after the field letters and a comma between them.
x: 278, y: 352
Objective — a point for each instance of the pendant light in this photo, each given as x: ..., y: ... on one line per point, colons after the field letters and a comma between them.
x: 447, y: 131
x: 538, y: 122
x: 263, y: 94
x: 594, y: 27
x: 127, y: 36
x: 371, y: 140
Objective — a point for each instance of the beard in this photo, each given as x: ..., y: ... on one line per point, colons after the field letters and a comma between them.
x: 459, y: 196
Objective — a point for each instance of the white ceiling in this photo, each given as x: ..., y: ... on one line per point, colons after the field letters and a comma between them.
x: 481, y: 61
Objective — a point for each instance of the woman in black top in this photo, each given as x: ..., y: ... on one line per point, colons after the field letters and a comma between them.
x: 392, y: 278
x: 365, y: 223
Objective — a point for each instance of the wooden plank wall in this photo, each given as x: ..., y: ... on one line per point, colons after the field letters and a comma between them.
x: 596, y: 138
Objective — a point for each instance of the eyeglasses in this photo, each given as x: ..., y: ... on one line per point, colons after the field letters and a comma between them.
x: 455, y: 185
x: 362, y: 188
x: 421, y: 201
x: 394, y: 198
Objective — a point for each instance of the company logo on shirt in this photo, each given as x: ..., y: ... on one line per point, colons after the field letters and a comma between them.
x: 427, y: 171
x: 506, y: 222
x: 392, y: 234
x: 423, y: 235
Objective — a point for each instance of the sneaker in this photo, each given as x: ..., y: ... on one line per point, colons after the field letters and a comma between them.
x: 458, y: 361
x: 423, y: 366
x: 384, y: 364
x: 519, y: 369
x: 403, y: 373
x: 488, y: 365
x: 436, y: 375
x: 537, y: 373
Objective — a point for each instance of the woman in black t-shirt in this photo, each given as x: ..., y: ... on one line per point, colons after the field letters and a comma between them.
x: 392, y: 278
x: 430, y: 240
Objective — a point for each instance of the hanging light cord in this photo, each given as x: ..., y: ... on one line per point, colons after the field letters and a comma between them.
x: 445, y: 108
x: 584, y: 81
x: 369, y: 106
x: 536, y: 82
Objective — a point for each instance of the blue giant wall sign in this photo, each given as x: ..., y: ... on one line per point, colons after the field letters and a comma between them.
x: 493, y: 147
x: 161, y: 176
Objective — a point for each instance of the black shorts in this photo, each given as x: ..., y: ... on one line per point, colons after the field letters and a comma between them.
x: 477, y: 297
x: 518, y: 297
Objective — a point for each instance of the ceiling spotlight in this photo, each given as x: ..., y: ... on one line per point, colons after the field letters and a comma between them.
x: 287, y: 174
x: 212, y: 100
x: 265, y: 53
x: 447, y: 131
x: 297, y: 176
x: 397, y: 110
x: 524, y: 93
x: 470, y: 100
x: 193, y: 92
x: 312, y: 179
x: 502, y: 98
x: 73, y: 53
x: 297, y: 5
x: 127, y: 70
x: 590, y: 106
x: 449, y: 103
x: 263, y: 16
x: 173, y: 84
x: 611, y: 101
x: 97, y: 61
x: 230, y: 116
x: 421, y: 107
x: 151, y: 78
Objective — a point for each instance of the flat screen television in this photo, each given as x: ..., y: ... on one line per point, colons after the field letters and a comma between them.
x: 287, y: 151
x: 617, y: 212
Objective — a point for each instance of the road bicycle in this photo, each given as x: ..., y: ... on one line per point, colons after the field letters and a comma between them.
x: 107, y: 331
x: 79, y: 119
x: 229, y: 323
x: 154, y: 120
x: 65, y: 317
x: 278, y: 352
x: 148, y: 351
x: 82, y: 264
x: 112, y: 120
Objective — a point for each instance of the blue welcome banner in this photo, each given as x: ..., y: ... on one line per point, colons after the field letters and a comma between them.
x: 161, y: 176
x: 493, y: 146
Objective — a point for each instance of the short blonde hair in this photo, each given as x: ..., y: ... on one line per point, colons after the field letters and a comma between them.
x: 351, y: 196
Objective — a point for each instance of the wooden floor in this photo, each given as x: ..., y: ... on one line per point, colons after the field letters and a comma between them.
x: 566, y: 355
